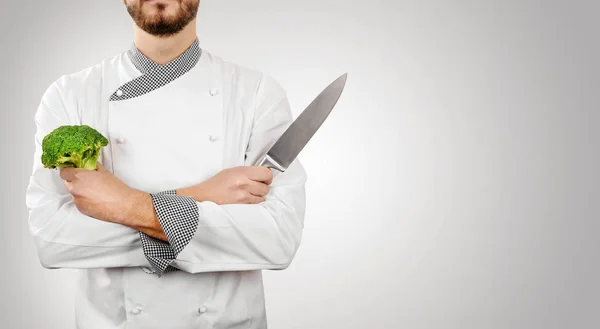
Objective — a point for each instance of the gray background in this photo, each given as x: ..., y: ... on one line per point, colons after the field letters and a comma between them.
x: 455, y: 185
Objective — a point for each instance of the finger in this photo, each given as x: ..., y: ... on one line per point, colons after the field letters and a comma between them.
x: 68, y: 174
x: 253, y: 199
x: 258, y: 188
x: 69, y: 186
x: 260, y: 174
x: 100, y: 167
x: 270, y: 177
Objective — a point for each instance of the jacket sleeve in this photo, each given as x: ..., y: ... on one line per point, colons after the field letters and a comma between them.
x: 209, y: 237
x: 64, y: 237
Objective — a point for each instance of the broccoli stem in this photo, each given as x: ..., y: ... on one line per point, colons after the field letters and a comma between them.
x: 89, y: 163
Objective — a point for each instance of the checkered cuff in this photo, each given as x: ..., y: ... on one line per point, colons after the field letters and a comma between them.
x: 159, y: 254
x: 178, y: 217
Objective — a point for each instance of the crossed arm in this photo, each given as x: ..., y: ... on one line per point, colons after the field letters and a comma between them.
x: 167, y: 221
x: 167, y: 230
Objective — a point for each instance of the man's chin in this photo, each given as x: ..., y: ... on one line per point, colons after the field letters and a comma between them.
x: 162, y: 18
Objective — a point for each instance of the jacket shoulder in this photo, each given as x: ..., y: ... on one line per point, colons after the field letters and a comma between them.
x: 246, y: 79
x: 89, y: 75
x: 262, y: 95
x: 64, y: 95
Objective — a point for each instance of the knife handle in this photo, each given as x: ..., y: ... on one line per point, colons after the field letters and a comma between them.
x: 268, y: 162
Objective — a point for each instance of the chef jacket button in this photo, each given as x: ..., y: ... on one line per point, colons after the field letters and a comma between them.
x: 119, y: 92
x: 136, y: 311
x: 121, y: 140
x: 202, y: 309
x: 213, y: 92
x: 213, y: 138
x: 148, y: 270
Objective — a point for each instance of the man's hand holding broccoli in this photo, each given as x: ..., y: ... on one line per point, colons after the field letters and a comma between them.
x: 96, y: 192
x: 101, y: 195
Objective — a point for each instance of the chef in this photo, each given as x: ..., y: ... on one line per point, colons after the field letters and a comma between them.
x: 176, y: 224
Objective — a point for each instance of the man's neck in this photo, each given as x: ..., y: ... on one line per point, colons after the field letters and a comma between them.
x: 164, y: 50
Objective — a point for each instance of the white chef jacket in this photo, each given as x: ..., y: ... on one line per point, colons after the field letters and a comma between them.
x: 169, y: 126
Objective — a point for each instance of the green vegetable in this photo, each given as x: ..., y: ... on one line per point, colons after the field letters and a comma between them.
x: 72, y: 146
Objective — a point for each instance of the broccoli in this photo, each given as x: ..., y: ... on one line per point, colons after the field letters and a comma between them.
x: 72, y: 146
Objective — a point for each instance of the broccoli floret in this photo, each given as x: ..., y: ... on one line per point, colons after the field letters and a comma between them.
x: 72, y: 146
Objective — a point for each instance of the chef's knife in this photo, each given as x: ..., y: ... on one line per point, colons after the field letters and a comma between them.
x: 292, y: 141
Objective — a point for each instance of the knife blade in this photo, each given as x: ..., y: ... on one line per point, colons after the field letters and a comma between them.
x: 298, y: 134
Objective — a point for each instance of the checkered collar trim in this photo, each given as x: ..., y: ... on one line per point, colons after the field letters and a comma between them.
x: 155, y: 76
x: 146, y: 65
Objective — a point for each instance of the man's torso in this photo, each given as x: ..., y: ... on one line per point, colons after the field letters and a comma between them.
x: 174, y: 136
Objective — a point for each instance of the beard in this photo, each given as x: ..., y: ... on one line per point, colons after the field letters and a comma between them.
x: 160, y: 23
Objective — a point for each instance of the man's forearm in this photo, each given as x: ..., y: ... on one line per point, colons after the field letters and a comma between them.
x: 141, y: 216
x: 141, y: 213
